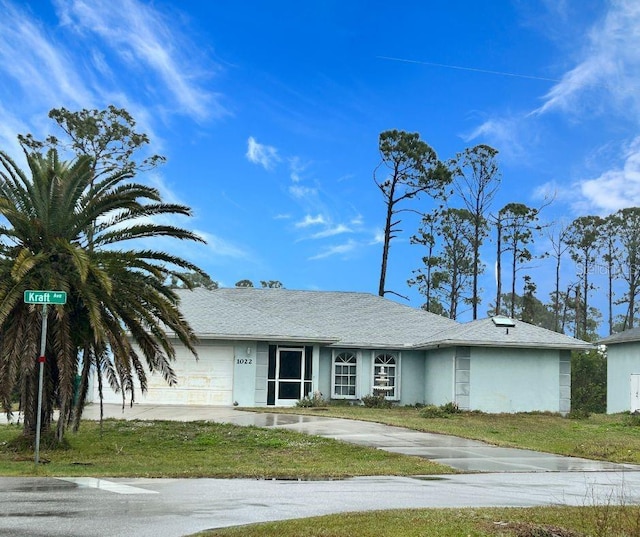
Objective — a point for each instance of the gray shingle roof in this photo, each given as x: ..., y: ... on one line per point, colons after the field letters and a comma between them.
x: 485, y: 333
x: 627, y: 336
x: 216, y: 314
x: 346, y: 319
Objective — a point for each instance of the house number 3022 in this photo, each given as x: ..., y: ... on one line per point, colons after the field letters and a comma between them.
x: 244, y: 361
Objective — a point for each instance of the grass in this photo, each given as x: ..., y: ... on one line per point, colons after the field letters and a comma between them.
x: 530, y: 522
x: 203, y: 449
x: 614, y: 438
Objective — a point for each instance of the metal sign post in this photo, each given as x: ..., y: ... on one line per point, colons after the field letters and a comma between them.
x: 41, y: 360
x: 44, y: 298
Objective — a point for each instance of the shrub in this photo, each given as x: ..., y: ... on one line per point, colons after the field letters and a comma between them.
x: 589, y: 382
x: 442, y: 411
x: 632, y: 419
x: 451, y: 408
x: 432, y: 411
x: 376, y: 401
x: 578, y: 414
x: 312, y: 401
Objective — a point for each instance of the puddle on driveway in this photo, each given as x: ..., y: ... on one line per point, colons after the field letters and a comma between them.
x: 293, y: 479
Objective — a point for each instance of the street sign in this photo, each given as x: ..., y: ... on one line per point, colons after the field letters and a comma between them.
x: 45, y: 297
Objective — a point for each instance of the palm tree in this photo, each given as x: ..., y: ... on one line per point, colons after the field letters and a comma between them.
x: 64, y: 229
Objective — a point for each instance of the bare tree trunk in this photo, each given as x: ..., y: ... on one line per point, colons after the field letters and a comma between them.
x: 556, y: 300
x: 514, y: 265
x: 584, y: 299
x: 476, y: 262
x: 499, y: 269
x: 385, y: 249
x: 632, y: 293
x: 578, y: 314
x: 610, y: 292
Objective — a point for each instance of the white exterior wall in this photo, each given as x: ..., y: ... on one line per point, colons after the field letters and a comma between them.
x: 438, y: 376
x: 623, y: 360
x: 515, y: 380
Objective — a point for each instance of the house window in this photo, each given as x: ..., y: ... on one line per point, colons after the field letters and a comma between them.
x: 345, y: 367
x: 385, y: 369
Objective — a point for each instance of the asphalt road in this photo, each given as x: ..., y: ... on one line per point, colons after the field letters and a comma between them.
x: 82, y: 507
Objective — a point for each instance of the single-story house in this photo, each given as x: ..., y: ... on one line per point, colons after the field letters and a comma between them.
x: 623, y: 371
x: 272, y: 347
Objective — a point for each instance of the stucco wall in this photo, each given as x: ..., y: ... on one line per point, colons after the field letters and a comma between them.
x: 438, y: 376
x: 515, y: 380
x: 412, y: 377
x: 623, y: 360
x: 324, y: 373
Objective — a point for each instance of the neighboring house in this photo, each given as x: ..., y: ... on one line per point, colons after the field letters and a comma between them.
x: 623, y: 371
x: 261, y: 347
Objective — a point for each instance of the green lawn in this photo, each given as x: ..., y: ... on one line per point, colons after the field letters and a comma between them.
x: 604, y: 521
x: 614, y: 438
x: 203, y: 449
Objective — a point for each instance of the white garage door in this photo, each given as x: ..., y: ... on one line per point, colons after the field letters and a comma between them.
x: 208, y: 381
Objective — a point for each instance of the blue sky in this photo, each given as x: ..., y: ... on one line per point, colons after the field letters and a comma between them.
x: 269, y: 113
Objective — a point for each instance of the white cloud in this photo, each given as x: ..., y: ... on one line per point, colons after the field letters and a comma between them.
x: 265, y: 155
x: 503, y: 133
x: 296, y: 168
x: 300, y: 192
x: 158, y: 181
x: 552, y: 190
x: 311, y: 221
x: 614, y: 189
x: 38, y: 65
x: 9, y: 126
x: 336, y: 250
x: 147, y: 41
x: 378, y: 237
x: 221, y: 247
x: 610, y: 66
x: 332, y: 231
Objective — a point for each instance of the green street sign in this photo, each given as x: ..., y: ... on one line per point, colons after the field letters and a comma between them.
x: 45, y: 297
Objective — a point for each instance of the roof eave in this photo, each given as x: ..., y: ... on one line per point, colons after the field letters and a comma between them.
x: 510, y: 344
x: 265, y: 337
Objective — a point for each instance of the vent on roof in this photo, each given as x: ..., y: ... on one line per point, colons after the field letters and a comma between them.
x: 501, y: 320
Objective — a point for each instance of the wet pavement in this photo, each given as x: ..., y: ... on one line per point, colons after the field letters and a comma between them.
x: 86, y: 507
x: 459, y: 453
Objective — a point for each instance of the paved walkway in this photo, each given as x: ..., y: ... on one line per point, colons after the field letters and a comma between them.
x: 459, y: 453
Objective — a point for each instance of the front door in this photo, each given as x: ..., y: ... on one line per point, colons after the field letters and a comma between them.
x: 289, y: 375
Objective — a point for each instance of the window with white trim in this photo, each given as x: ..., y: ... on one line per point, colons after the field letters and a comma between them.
x: 385, y: 373
x: 345, y: 369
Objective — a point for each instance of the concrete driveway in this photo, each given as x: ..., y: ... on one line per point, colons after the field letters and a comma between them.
x: 459, y: 453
